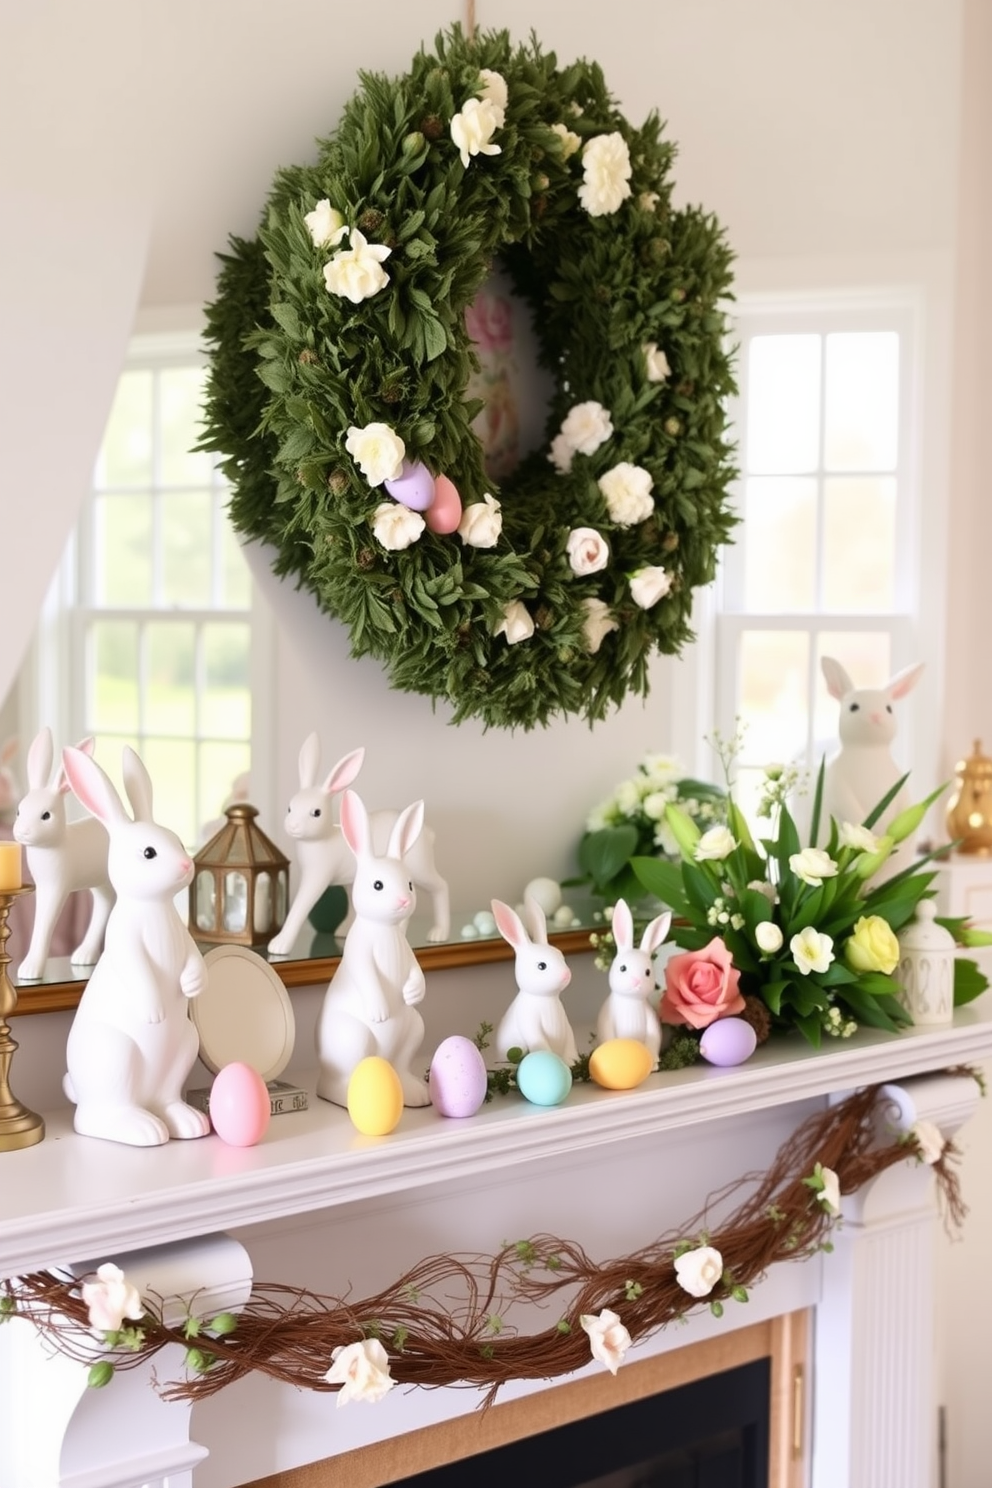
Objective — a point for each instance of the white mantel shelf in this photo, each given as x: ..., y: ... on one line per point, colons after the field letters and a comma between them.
x: 61, y: 1200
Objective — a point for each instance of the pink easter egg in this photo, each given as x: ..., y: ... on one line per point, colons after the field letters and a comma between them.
x: 240, y: 1110
x: 457, y: 1080
x: 445, y: 512
x: 414, y: 486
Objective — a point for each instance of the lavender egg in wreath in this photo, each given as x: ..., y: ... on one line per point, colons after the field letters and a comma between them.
x: 340, y: 359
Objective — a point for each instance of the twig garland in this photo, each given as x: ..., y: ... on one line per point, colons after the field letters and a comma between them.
x: 445, y: 1321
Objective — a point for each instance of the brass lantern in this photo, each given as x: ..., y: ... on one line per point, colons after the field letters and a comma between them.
x: 240, y: 889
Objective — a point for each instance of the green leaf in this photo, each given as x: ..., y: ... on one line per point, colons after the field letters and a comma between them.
x: 663, y: 880
x: 435, y: 340
x: 969, y: 981
x: 100, y: 1374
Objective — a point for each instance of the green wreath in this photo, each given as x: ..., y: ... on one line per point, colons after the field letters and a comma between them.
x: 339, y: 348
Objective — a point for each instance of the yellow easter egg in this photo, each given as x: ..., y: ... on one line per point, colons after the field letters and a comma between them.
x: 620, y: 1064
x: 375, y: 1096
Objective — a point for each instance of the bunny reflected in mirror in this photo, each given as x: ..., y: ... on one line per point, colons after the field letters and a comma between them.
x: 628, y: 1012
x: 535, y: 1018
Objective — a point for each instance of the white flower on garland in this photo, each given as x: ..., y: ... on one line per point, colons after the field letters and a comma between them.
x: 586, y: 426
x: 606, y: 174
x: 570, y: 141
x: 481, y: 523
x: 828, y: 1192
x: 812, y: 865
x: 656, y: 362
x: 516, y: 623
x: 362, y: 1371
x: 494, y: 91
x: 110, y: 1299
x: 472, y: 130
x: 597, y: 624
x: 699, y: 1270
x: 648, y: 585
x: 378, y: 451
x: 930, y: 1140
x: 588, y: 552
x: 811, y: 951
x: 327, y: 226
x: 608, y: 1338
x: 396, y: 526
x: 626, y: 490
x: 715, y: 844
x: 356, y: 273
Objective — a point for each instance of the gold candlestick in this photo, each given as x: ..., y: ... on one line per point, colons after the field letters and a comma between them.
x: 19, y: 1127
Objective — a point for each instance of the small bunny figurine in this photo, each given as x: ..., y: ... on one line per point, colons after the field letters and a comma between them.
x: 627, y: 1013
x: 132, y: 1044
x: 62, y: 856
x: 370, y: 1003
x: 863, y: 770
x: 323, y: 856
x: 535, y: 1018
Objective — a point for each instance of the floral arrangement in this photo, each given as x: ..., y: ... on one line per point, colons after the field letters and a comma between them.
x: 450, y: 1319
x: 340, y: 363
x: 793, y: 936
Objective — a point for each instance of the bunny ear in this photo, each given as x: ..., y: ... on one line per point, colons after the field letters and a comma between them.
x: 86, y: 746
x: 538, y: 924
x: 93, y: 787
x: 355, y: 824
x: 344, y: 772
x: 656, y: 932
x: 309, y: 762
x: 837, y: 680
x: 138, y: 785
x: 39, y: 761
x: 406, y: 829
x: 623, y: 926
x: 904, y: 681
x: 509, y: 924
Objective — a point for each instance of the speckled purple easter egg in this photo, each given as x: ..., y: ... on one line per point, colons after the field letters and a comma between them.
x: 414, y: 486
x: 457, y: 1079
x: 728, y: 1041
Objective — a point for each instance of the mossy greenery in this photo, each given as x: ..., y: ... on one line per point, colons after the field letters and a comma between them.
x: 450, y: 172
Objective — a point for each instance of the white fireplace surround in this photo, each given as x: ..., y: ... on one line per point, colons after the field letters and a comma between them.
x: 319, y: 1205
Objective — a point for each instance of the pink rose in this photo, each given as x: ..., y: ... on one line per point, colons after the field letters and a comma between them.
x: 701, y: 986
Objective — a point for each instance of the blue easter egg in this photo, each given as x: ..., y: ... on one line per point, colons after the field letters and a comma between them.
x: 414, y: 486
x: 543, y: 1078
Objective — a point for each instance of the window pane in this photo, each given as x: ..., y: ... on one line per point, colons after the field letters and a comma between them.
x: 862, y: 401
x: 170, y: 763
x: 780, y: 547
x: 236, y: 594
x: 221, y: 765
x: 126, y: 458
x: 122, y: 537
x: 180, y: 394
x: 783, y: 393
x: 170, y: 704
x: 773, y: 698
x: 227, y: 695
x: 113, y: 689
x: 187, y: 548
x: 859, y: 544
x: 867, y: 659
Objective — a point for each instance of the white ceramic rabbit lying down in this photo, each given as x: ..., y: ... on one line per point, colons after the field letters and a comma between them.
x: 132, y: 1044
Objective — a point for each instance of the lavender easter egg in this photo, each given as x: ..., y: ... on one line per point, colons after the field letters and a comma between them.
x: 414, y: 486
x: 457, y: 1080
x: 445, y: 511
x: 240, y: 1108
x: 728, y: 1041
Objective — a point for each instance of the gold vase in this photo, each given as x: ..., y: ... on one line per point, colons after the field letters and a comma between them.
x: 969, y: 811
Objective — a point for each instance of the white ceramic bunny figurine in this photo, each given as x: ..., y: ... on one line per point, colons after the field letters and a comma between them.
x: 627, y: 1013
x: 62, y: 856
x: 863, y: 770
x: 535, y: 1018
x: 370, y: 1003
x: 132, y: 1043
x: 323, y: 856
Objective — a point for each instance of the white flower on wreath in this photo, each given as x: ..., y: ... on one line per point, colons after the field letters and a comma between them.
x: 699, y: 1270
x: 626, y: 489
x: 605, y: 174
x: 472, y: 130
x: 588, y: 552
x: 813, y: 865
x: 494, y: 91
x: 481, y: 523
x: 377, y: 450
x: 516, y: 624
x: 829, y: 1194
x: 586, y: 426
x: 110, y: 1299
x: 608, y: 1338
x: 930, y: 1140
x: 648, y: 585
x: 597, y: 624
x: 327, y: 226
x: 852, y: 834
x: 356, y: 273
x: 768, y: 936
x: 362, y: 1371
x: 811, y: 951
x: 561, y: 454
x: 655, y: 362
x: 648, y: 200
x: 396, y: 526
x: 570, y: 141
x: 714, y: 845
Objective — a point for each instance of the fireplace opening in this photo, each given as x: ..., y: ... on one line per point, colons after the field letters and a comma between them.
x: 711, y: 1433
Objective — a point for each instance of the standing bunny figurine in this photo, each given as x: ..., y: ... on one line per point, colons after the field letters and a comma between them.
x: 62, y: 856
x: 627, y: 1013
x: 370, y: 1004
x: 132, y: 1044
x: 323, y: 855
x: 863, y: 770
x: 535, y: 1018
